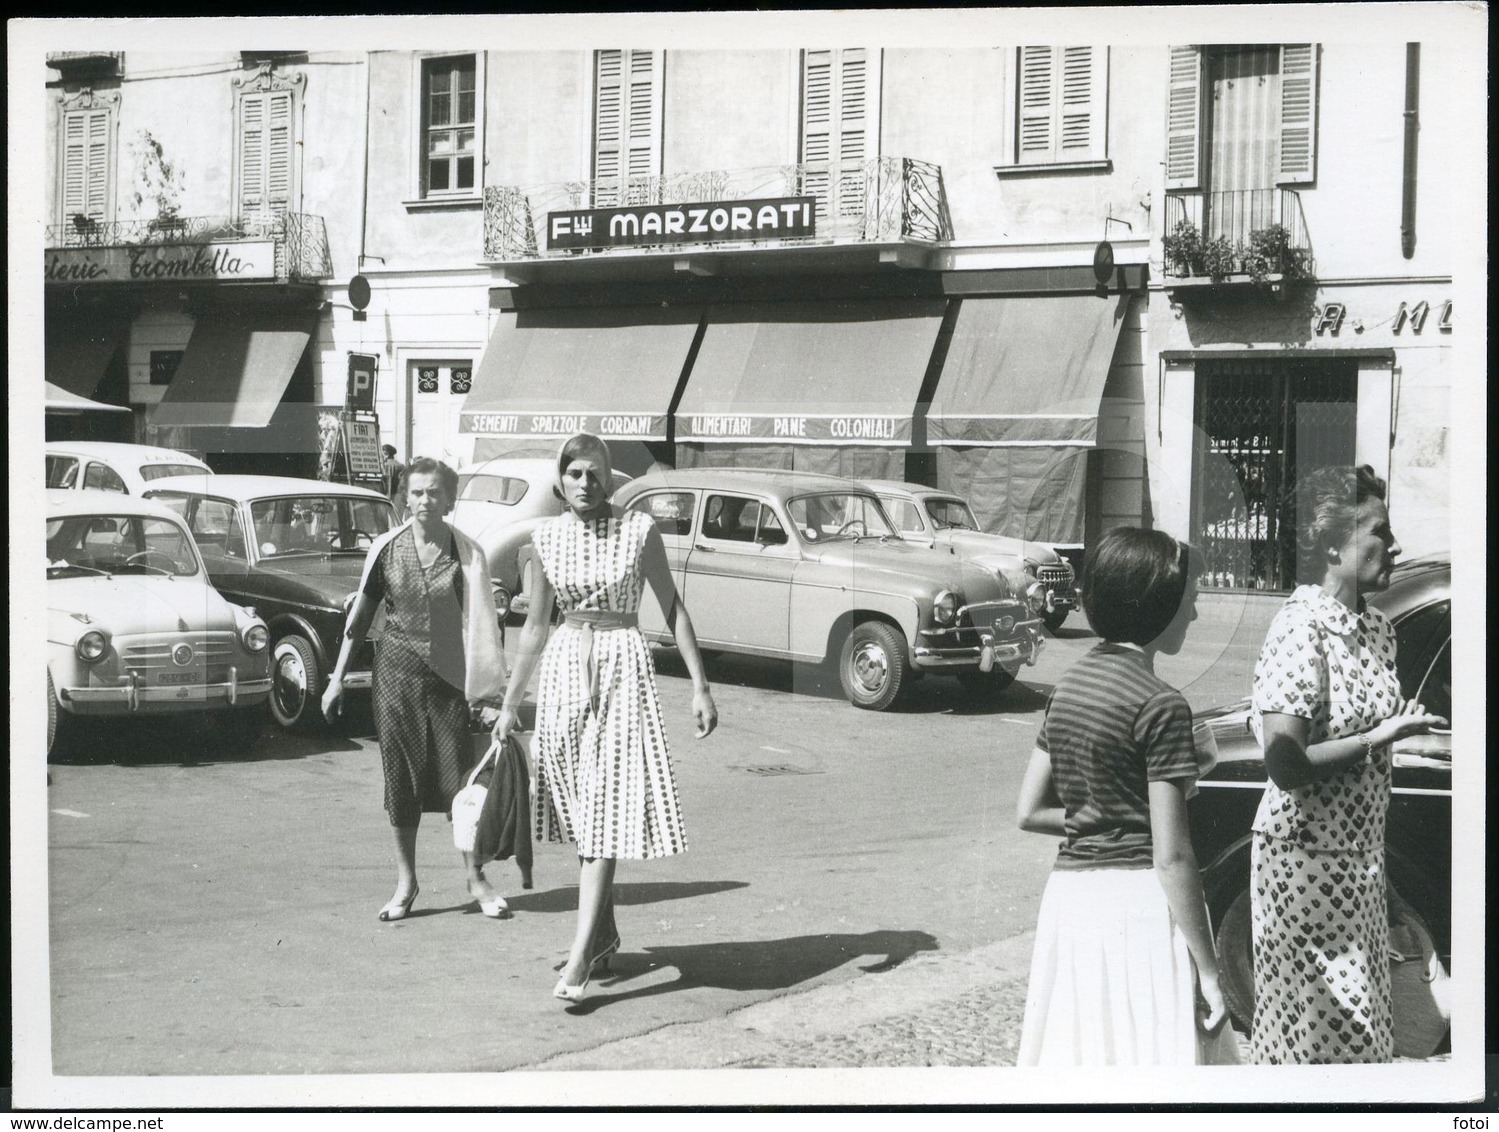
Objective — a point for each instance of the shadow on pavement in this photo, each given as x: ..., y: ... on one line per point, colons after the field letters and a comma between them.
x: 655, y: 892
x: 760, y: 965
x: 196, y: 740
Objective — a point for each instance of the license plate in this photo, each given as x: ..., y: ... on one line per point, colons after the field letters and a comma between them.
x: 189, y: 676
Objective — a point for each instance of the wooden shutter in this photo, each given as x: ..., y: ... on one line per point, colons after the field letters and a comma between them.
x: 817, y: 123
x: 839, y: 124
x: 608, y: 126
x: 1035, y: 134
x: 853, y: 128
x: 1298, y: 113
x: 1061, y: 101
x: 86, y: 165
x: 1184, y: 120
x: 265, y: 152
x: 626, y: 125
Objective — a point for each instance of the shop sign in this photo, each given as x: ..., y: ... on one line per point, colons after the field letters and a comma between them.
x: 755, y: 427
x: 773, y: 218
x: 618, y: 426
x: 162, y: 263
x: 362, y: 440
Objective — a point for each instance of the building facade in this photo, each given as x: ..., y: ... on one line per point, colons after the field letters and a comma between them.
x: 1082, y: 286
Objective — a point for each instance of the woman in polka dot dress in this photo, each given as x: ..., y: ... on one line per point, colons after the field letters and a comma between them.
x: 1327, y: 706
x: 604, y: 777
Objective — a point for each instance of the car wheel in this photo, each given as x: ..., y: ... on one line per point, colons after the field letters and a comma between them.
x: 1236, y: 960
x: 296, y: 684
x: 872, y: 665
x: 51, y: 715
x: 984, y: 685
x: 1054, y: 619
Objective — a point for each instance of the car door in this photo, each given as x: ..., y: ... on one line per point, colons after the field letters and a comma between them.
x: 739, y: 570
x: 672, y: 513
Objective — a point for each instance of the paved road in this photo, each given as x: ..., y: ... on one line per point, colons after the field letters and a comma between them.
x: 850, y: 874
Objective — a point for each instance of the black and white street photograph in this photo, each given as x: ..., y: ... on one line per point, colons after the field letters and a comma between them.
x: 853, y: 559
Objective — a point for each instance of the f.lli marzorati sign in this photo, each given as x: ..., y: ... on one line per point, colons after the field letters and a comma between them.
x: 773, y: 218
x: 163, y: 263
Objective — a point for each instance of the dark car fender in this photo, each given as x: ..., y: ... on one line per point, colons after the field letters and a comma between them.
x: 285, y: 623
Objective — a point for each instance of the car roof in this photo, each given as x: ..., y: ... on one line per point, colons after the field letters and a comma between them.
x: 525, y: 466
x: 1415, y: 583
x: 242, y: 487
x: 912, y: 488
x: 116, y: 450
x: 63, y: 503
x: 775, y: 480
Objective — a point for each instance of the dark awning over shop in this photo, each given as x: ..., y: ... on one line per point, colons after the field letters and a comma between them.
x: 844, y: 373
x: 79, y: 346
x: 1028, y: 370
x: 611, y: 371
x: 235, y: 369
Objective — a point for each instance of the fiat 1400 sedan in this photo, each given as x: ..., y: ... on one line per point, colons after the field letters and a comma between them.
x: 1418, y: 832
x: 940, y: 518
x: 808, y: 567
x: 133, y: 626
x: 295, y: 550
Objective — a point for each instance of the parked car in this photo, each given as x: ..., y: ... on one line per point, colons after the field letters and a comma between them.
x: 133, y: 626
x: 106, y: 466
x: 808, y: 567
x: 1418, y: 834
x: 941, y: 518
x: 294, y: 549
x: 500, y: 502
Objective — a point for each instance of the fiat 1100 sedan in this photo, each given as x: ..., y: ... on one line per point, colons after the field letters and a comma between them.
x: 808, y: 567
x: 133, y: 625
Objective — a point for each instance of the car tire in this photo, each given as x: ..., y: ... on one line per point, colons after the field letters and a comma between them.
x: 296, y: 684
x: 1054, y: 619
x: 1235, y: 940
x: 51, y: 715
x: 872, y: 665
x: 986, y: 685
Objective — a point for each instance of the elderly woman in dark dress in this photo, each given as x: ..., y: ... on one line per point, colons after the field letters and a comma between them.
x: 440, y: 656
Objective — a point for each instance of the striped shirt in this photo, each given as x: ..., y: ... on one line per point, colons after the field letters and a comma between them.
x: 1112, y: 727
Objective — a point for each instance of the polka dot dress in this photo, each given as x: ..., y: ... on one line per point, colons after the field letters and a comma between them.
x: 1317, y: 869
x: 603, y: 769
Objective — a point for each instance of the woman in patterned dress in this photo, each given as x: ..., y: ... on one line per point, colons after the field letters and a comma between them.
x: 439, y: 656
x: 1326, y: 707
x: 603, y: 771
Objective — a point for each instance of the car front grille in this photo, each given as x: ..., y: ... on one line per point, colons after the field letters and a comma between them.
x: 1052, y: 576
x: 148, y: 655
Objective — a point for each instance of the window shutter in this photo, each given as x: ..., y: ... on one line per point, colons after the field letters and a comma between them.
x: 608, y: 126
x: 853, y: 128
x: 1084, y: 96
x: 1035, y: 132
x: 839, y: 128
x: 278, y: 151
x: 643, y: 154
x: 85, y: 189
x: 817, y: 123
x: 626, y: 125
x: 1184, y: 120
x: 252, y: 153
x: 1298, y: 113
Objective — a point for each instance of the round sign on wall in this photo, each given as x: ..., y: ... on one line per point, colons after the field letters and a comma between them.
x: 359, y: 292
x: 1103, y: 262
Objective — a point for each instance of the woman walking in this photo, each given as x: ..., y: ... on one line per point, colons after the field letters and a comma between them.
x: 440, y: 655
x: 604, y: 776
x: 1326, y: 707
x: 1124, y: 970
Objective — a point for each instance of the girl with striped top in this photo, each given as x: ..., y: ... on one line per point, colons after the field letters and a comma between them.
x: 1124, y: 970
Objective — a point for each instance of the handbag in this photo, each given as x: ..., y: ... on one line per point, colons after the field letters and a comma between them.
x: 468, y: 804
x: 1420, y: 989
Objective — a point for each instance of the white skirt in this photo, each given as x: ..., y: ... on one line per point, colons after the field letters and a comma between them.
x: 1112, y: 981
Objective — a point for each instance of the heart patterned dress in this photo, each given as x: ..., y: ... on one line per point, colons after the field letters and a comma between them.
x: 1317, y: 867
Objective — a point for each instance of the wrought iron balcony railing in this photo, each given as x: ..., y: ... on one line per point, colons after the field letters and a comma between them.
x: 301, y: 240
x: 879, y: 200
x: 1240, y: 232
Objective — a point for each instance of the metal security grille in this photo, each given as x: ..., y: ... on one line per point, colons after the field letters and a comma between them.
x: 1264, y: 422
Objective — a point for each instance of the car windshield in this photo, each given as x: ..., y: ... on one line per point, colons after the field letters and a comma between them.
x: 951, y: 513
x: 318, y: 524
x: 162, y: 471
x: 831, y: 515
x: 80, y: 545
x: 490, y: 488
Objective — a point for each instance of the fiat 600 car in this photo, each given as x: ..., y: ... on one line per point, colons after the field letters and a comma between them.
x: 133, y: 626
x: 130, y: 469
x: 1418, y: 831
x: 294, y: 549
x: 808, y: 567
x: 940, y: 518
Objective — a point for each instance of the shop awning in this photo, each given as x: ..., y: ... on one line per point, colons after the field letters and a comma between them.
x: 810, y: 373
x: 1027, y: 370
x: 59, y: 400
x: 611, y: 371
x: 79, y: 346
x: 235, y: 369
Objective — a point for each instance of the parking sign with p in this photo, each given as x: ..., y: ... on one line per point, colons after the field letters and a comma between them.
x: 360, y: 397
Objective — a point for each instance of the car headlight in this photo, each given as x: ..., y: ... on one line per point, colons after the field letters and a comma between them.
x: 945, y: 608
x: 92, y: 645
x: 256, y: 638
x: 1035, y: 597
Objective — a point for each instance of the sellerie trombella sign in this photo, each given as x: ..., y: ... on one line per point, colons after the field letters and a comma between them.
x: 775, y: 218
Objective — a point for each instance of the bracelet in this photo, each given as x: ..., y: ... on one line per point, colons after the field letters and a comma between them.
x: 1368, y: 744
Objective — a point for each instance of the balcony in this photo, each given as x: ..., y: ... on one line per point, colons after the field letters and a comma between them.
x: 299, y: 240
x: 1247, y: 237
x: 892, y: 202
x: 86, y: 62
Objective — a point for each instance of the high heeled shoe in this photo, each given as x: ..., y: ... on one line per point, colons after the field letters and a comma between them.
x: 599, y: 964
x: 493, y: 905
x: 397, y: 909
x: 569, y: 993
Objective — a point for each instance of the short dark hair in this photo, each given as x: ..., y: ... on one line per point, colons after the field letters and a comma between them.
x: 1327, y: 503
x: 388, y: 449
x: 1133, y: 584
x: 427, y: 466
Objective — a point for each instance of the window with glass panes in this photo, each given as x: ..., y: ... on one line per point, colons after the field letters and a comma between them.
x: 449, y: 124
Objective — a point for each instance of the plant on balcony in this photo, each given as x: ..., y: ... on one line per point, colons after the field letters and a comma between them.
x: 1269, y: 252
x: 1219, y: 258
x: 157, y: 182
x: 1183, y: 248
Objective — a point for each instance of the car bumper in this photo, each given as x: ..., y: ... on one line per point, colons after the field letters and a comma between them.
x: 131, y: 695
x: 1024, y: 647
x: 356, y: 681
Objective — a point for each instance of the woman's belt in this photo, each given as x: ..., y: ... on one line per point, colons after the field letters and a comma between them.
x: 587, y: 622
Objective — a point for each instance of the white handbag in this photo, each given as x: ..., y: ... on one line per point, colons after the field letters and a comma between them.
x: 468, y: 804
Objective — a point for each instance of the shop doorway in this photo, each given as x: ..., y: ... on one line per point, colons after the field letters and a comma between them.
x: 435, y: 390
x: 1262, y: 424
